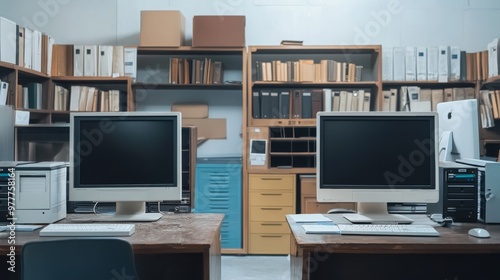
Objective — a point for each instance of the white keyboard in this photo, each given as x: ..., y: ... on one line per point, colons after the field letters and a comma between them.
x: 88, y: 230
x: 386, y: 229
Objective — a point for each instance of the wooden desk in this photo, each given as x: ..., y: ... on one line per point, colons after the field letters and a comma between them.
x: 453, y: 255
x: 178, y: 246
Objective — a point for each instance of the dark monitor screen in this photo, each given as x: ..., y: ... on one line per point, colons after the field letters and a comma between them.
x: 130, y: 151
x: 377, y: 152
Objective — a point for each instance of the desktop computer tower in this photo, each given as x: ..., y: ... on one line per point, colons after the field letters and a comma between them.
x: 458, y: 191
x: 489, y: 188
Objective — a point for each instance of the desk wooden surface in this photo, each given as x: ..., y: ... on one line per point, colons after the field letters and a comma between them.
x: 451, y: 239
x: 185, y: 240
x: 314, y: 256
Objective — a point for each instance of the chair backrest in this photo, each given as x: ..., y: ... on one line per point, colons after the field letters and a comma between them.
x: 78, y: 258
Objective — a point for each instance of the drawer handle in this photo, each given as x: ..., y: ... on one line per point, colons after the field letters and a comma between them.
x: 271, y: 194
x: 269, y: 224
x: 271, y: 208
x: 271, y: 236
x: 271, y: 178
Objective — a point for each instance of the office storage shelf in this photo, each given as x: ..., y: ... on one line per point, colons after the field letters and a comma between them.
x: 291, y: 134
x: 490, y: 137
x: 179, y: 75
x: 429, y: 84
x: 161, y: 86
x: 123, y: 84
x: 272, y: 84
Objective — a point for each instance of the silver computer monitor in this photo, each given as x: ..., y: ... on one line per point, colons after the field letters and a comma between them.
x: 125, y: 157
x: 373, y: 158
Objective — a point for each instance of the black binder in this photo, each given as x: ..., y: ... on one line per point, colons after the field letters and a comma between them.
x: 306, y: 104
x: 256, y: 105
x: 265, y: 104
x: 275, y: 105
x: 284, y: 105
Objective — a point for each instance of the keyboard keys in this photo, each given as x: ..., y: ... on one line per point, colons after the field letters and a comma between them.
x: 388, y: 229
x: 101, y: 229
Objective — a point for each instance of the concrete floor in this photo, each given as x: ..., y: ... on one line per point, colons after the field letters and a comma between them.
x: 255, y: 267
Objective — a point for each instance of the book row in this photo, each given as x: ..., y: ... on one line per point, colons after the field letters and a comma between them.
x: 31, y: 96
x: 416, y: 99
x: 489, y: 107
x: 307, y: 70
x: 28, y: 48
x: 195, y: 71
x: 101, y: 60
x: 305, y: 103
x: 88, y: 99
x: 441, y: 63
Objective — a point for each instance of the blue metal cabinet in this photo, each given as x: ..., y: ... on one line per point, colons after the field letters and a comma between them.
x: 218, y: 189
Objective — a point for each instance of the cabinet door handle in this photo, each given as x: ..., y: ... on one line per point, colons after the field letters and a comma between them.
x: 270, y: 224
x: 271, y: 208
x: 271, y: 236
x: 271, y: 193
x: 271, y: 178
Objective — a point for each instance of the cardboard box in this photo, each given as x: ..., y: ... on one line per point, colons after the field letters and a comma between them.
x: 162, y: 29
x: 218, y: 31
x: 191, y: 110
x: 208, y: 128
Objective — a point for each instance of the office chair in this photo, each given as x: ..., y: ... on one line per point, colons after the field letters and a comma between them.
x: 78, y: 259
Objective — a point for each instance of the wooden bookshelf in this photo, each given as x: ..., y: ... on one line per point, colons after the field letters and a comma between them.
x: 291, y: 138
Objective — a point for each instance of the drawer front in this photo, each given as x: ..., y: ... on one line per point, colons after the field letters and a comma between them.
x: 269, y: 244
x: 269, y: 227
x: 272, y: 197
x: 269, y: 213
x: 276, y: 182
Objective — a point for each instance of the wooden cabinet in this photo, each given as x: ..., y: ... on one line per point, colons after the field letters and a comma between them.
x: 271, y: 197
x: 308, y: 202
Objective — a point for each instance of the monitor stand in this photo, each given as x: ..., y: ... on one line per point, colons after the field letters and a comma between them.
x: 375, y: 213
x: 128, y: 211
x: 446, y: 152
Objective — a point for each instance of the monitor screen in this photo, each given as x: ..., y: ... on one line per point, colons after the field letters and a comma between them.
x: 125, y: 157
x: 377, y: 157
x: 458, y: 130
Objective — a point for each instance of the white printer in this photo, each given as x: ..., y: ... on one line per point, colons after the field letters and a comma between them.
x: 40, y: 192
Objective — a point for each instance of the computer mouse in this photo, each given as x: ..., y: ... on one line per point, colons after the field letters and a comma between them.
x: 479, y: 232
x: 340, y: 211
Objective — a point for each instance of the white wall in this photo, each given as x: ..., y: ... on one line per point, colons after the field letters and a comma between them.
x: 470, y: 24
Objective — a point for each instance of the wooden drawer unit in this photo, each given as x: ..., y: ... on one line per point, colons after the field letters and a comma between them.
x: 269, y: 243
x: 308, y: 202
x: 270, y: 182
x: 270, y: 213
x: 266, y: 198
x: 271, y: 197
x: 269, y: 227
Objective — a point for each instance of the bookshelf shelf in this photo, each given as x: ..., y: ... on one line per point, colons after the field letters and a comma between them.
x: 162, y: 86
x: 372, y: 84
x: 184, y: 75
x: 490, y: 137
x: 276, y: 72
x: 434, y: 84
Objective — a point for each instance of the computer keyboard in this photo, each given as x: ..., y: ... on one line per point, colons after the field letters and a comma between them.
x: 88, y: 230
x: 388, y: 229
